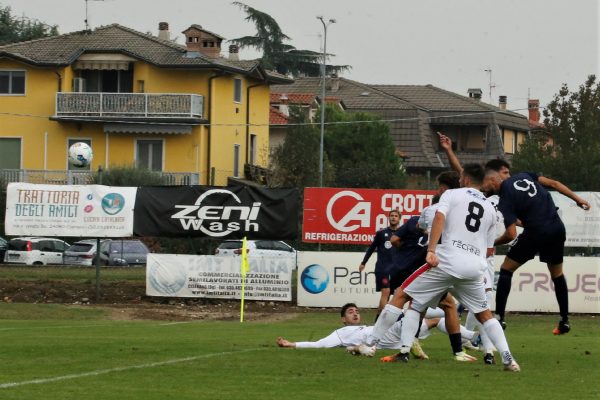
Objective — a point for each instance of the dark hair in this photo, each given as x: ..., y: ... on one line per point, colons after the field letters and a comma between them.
x: 496, y: 164
x: 474, y: 171
x: 395, y: 210
x: 450, y: 179
x: 345, y: 307
x: 435, y: 199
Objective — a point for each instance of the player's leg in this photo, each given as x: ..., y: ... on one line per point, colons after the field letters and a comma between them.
x: 383, y: 300
x: 389, y: 315
x: 508, y: 267
x: 552, y: 255
x: 495, y: 332
x: 453, y: 327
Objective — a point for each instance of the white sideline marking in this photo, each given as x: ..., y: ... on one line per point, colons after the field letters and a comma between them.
x: 119, y: 369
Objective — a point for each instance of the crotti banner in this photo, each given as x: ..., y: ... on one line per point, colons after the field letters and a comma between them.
x: 217, y: 212
x: 352, y: 216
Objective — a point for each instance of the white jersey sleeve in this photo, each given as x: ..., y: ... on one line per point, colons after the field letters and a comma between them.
x: 469, y: 224
x: 426, y: 218
x: 347, y: 336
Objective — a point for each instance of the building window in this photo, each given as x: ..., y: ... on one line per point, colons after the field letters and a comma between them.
x: 236, y: 160
x: 237, y: 90
x: 149, y: 154
x: 12, y: 82
x: 10, y: 153
x: 253, y: 145
x: 71, y: 142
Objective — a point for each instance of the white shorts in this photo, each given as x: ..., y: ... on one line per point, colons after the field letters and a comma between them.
x: 488, y: 274
x: 391, y: 339
x: 427, y: 285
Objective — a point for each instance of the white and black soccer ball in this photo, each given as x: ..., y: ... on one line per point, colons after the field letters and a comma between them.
x: 80, y: 155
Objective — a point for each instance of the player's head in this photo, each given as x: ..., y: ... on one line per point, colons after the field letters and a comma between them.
x: 472, y: 175
x: 500, y: 166
x: 492, y: 181
x: 448, y: 180
x: 350, y: 314
x: 394, y: 217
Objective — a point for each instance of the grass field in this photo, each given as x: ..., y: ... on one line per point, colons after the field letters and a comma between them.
x: 68, y: 352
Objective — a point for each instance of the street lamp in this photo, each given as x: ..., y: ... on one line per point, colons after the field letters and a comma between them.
x: 323, y: 68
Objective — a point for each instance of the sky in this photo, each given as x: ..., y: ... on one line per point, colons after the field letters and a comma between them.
x: 532, y: 47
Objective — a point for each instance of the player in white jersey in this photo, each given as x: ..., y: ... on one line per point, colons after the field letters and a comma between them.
x: 456, y: 261
x: 353, y: 335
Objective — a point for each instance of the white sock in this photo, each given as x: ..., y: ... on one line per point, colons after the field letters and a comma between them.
x: 386, y: 319
x: 496, y: 334
x: 410, y: 325
x: 471, y: 321
x: 464, y: 332
x: 434, y: 313
x: 424, y: 331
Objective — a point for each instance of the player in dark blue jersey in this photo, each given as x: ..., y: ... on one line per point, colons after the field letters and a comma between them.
x: 411, y: 242
x: 524, y: 198
x: 385, y: 258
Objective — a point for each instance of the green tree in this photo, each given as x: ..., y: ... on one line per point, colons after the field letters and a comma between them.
x: 276, y: 54
x: 572, y: 121
x: 360, y: 147
x: 296, y: 161
x: 129, y: 176
x: 14, y: 29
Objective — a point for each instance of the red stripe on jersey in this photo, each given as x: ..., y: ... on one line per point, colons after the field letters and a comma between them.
x: 415, y: 275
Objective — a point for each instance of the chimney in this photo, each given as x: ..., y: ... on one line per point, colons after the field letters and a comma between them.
x: 502, y: 102
x: 233, y: 52
x: 334, y: 83
x: 283, y: 106
x: 475, y: 94
x: 199, y: 40
x: 163, y: 31
x: 533, y: 106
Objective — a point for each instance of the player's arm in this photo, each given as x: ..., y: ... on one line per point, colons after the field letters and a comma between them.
x: 564, y: 190
x: 434, y: 237
x: 510, y: 233
x: 369, y: 252
x: 396, y: 240
x: 446, y: 144
x: 333, y: 340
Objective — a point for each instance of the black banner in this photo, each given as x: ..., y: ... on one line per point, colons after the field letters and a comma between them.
x: 217, y: 212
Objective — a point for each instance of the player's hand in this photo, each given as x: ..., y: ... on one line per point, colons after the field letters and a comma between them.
x: 432, y: 259
x: 583, y: 204
x: 361, y: 267
x: 445, y: 141
x: 281, y: 342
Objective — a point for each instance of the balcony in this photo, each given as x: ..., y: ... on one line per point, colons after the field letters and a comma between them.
x: 172, y: 107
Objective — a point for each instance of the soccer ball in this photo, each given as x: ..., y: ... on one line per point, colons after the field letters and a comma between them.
x: 80, y: 155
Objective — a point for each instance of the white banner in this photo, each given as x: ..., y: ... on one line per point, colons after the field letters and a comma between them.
x: 177, y: 275
x: 583, y: 227
x: 329, y: 279
x: 69, y: 210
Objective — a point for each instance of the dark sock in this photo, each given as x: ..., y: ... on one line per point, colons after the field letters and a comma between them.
x: 562, y: 296
x: 455, y: 342
x: 502, y: 291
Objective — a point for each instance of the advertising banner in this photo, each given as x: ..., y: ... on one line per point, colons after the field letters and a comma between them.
x: 224, y: 212
x: 352, y: 216
x: 176, y: 275
x: 583, y: 227
x: 331, y: 279
x: 69, y: 210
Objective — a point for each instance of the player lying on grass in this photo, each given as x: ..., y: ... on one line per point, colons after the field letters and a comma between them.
x: 353, y: 335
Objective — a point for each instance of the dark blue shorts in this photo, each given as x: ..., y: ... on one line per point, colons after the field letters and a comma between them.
x: 549, y: 244
x: 382, y: 280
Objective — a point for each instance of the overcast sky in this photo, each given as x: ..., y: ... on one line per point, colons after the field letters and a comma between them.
x: 531, y: 46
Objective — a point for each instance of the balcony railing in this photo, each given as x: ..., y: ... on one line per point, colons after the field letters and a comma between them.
x: 132, y: 105
x: 62, y: 177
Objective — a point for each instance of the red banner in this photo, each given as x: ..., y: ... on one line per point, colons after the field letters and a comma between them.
x: 352, y: 216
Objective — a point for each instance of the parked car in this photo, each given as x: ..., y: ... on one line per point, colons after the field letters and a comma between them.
x: 3, y: 247
x: 35, y: 251
x: 82, y: 252
x: 123, y: 252
x: 256, y: 247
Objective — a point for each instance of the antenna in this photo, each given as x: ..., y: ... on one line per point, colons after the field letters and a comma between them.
x: 87, y: 25
x: 491, y: 85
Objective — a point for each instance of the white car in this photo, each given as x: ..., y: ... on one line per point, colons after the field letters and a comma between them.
x: 82, y: 252
x: 35, y: 251
x: 256, y: 247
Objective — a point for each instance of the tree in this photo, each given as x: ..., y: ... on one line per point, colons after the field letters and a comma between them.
x: 360, y: 147
x: 14, y: 29
x: 129, y: 176
x: 572, y: 121
x: 277, y: 55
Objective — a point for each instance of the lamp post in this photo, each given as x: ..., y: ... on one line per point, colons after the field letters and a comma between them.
x: 323, y: 70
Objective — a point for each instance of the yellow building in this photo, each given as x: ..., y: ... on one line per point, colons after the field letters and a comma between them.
x: 136, y: 99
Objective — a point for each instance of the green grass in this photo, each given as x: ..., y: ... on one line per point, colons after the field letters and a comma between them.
x: 103, y: 359
x: 65, y: 273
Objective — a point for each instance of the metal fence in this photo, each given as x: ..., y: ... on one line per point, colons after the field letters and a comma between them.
x: 62, y: 177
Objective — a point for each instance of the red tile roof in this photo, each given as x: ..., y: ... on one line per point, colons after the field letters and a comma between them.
x: 276, y: 117
x: 294, y: 98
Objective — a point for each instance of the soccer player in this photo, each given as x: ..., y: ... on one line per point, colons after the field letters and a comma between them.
x: 385, y: 258
x: 456, y: 262
x: 353, y: 335
x: 524, y: 198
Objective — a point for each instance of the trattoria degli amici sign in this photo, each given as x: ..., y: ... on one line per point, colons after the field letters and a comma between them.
x: 352, y: 216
